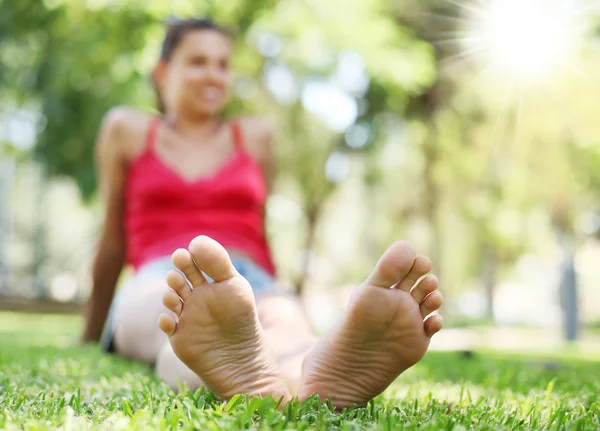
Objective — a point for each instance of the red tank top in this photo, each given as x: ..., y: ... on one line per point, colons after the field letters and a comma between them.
x: 164, y: 211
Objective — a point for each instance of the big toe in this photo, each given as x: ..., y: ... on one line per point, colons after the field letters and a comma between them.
x: 393, y: 266
x: 212, y: 258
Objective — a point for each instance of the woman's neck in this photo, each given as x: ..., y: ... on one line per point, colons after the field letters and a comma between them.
x: 196, y: 127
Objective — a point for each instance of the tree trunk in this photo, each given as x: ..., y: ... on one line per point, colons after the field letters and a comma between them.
x: 432, y: 198
x: 570, y: 309
x: 490, y: 269
x: 7, y: 175
x: 568, y: 289
x: 39, y: 239
x: 312, y: 215
x: 566, y: 239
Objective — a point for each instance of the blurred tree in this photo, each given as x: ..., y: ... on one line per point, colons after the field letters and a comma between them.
x: 498, y: 149
x: 313, y: 66
x: 72, y: 64
x: 338, y: 88
x: 463, y: 168
x: 82, y: 61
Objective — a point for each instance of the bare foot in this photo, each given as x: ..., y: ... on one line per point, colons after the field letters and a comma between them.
x: 382, y: 334
x: 217, y: 333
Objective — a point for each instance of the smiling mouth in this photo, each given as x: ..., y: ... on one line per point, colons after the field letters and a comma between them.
x: 211, y: 94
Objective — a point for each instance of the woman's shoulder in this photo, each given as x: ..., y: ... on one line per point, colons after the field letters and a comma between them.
x: 128, y: 120
x: 128, y: 128
x: 257, y: 131
x: 258, y: 140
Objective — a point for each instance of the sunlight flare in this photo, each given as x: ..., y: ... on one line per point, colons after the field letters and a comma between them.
x: 525, y: 38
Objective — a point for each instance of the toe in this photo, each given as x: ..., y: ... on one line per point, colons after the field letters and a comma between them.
x: 212, y: 258
x: 432, y: 303
x: 183, y: 261
x: 178, y: 283
x: 433, y: 324
x: 426, y: 286
x: 167, y: 324
x: 173, y: 302
x: 420, y: 267
x: 393, y: 266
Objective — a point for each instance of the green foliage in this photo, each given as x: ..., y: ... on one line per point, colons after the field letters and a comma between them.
x: 73, y: 63
x: 473, y: 164
x: 44, y: 386
x: 79, y: 63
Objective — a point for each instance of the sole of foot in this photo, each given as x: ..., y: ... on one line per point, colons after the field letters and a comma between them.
x: 214, y: 328
x: 386, y: 329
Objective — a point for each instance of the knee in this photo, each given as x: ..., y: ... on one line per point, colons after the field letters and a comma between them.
x: 173, y: 372
x: 137, y: 337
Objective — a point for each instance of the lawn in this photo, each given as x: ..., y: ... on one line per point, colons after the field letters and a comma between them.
x: 45, y: 384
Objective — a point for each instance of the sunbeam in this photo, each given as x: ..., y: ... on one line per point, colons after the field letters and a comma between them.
x: 526, y: 38
x: 523, y: 48
x: 471, y: 7
x: 579, y: 72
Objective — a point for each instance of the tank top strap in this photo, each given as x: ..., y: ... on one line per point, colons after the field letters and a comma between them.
x: 151, y: 134
x: 238, y: 136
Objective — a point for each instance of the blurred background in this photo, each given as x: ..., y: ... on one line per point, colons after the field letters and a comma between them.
x: 470, y: 128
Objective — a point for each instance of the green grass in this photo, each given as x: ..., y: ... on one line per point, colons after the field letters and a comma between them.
x: 46, y: 384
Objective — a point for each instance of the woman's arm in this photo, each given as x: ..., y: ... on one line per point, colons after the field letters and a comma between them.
x: 111, y: 162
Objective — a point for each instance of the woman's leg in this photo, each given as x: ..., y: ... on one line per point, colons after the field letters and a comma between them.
x: 287, y: 331
x: 136, y: 334
x: 238, y: 345
x: 173, y: 372
x: 216, y: 330
x: 288, y: 334
x: 138, y: 337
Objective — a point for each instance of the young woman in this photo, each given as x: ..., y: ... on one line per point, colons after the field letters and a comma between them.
x: 185, y: 195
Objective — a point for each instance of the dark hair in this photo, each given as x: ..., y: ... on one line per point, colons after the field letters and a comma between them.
x: 176, y: 30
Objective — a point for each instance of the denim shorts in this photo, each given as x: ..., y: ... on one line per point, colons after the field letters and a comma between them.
x: 259, y: 279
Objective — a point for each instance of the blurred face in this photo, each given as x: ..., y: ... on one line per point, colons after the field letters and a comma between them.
x: 196, y: 79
